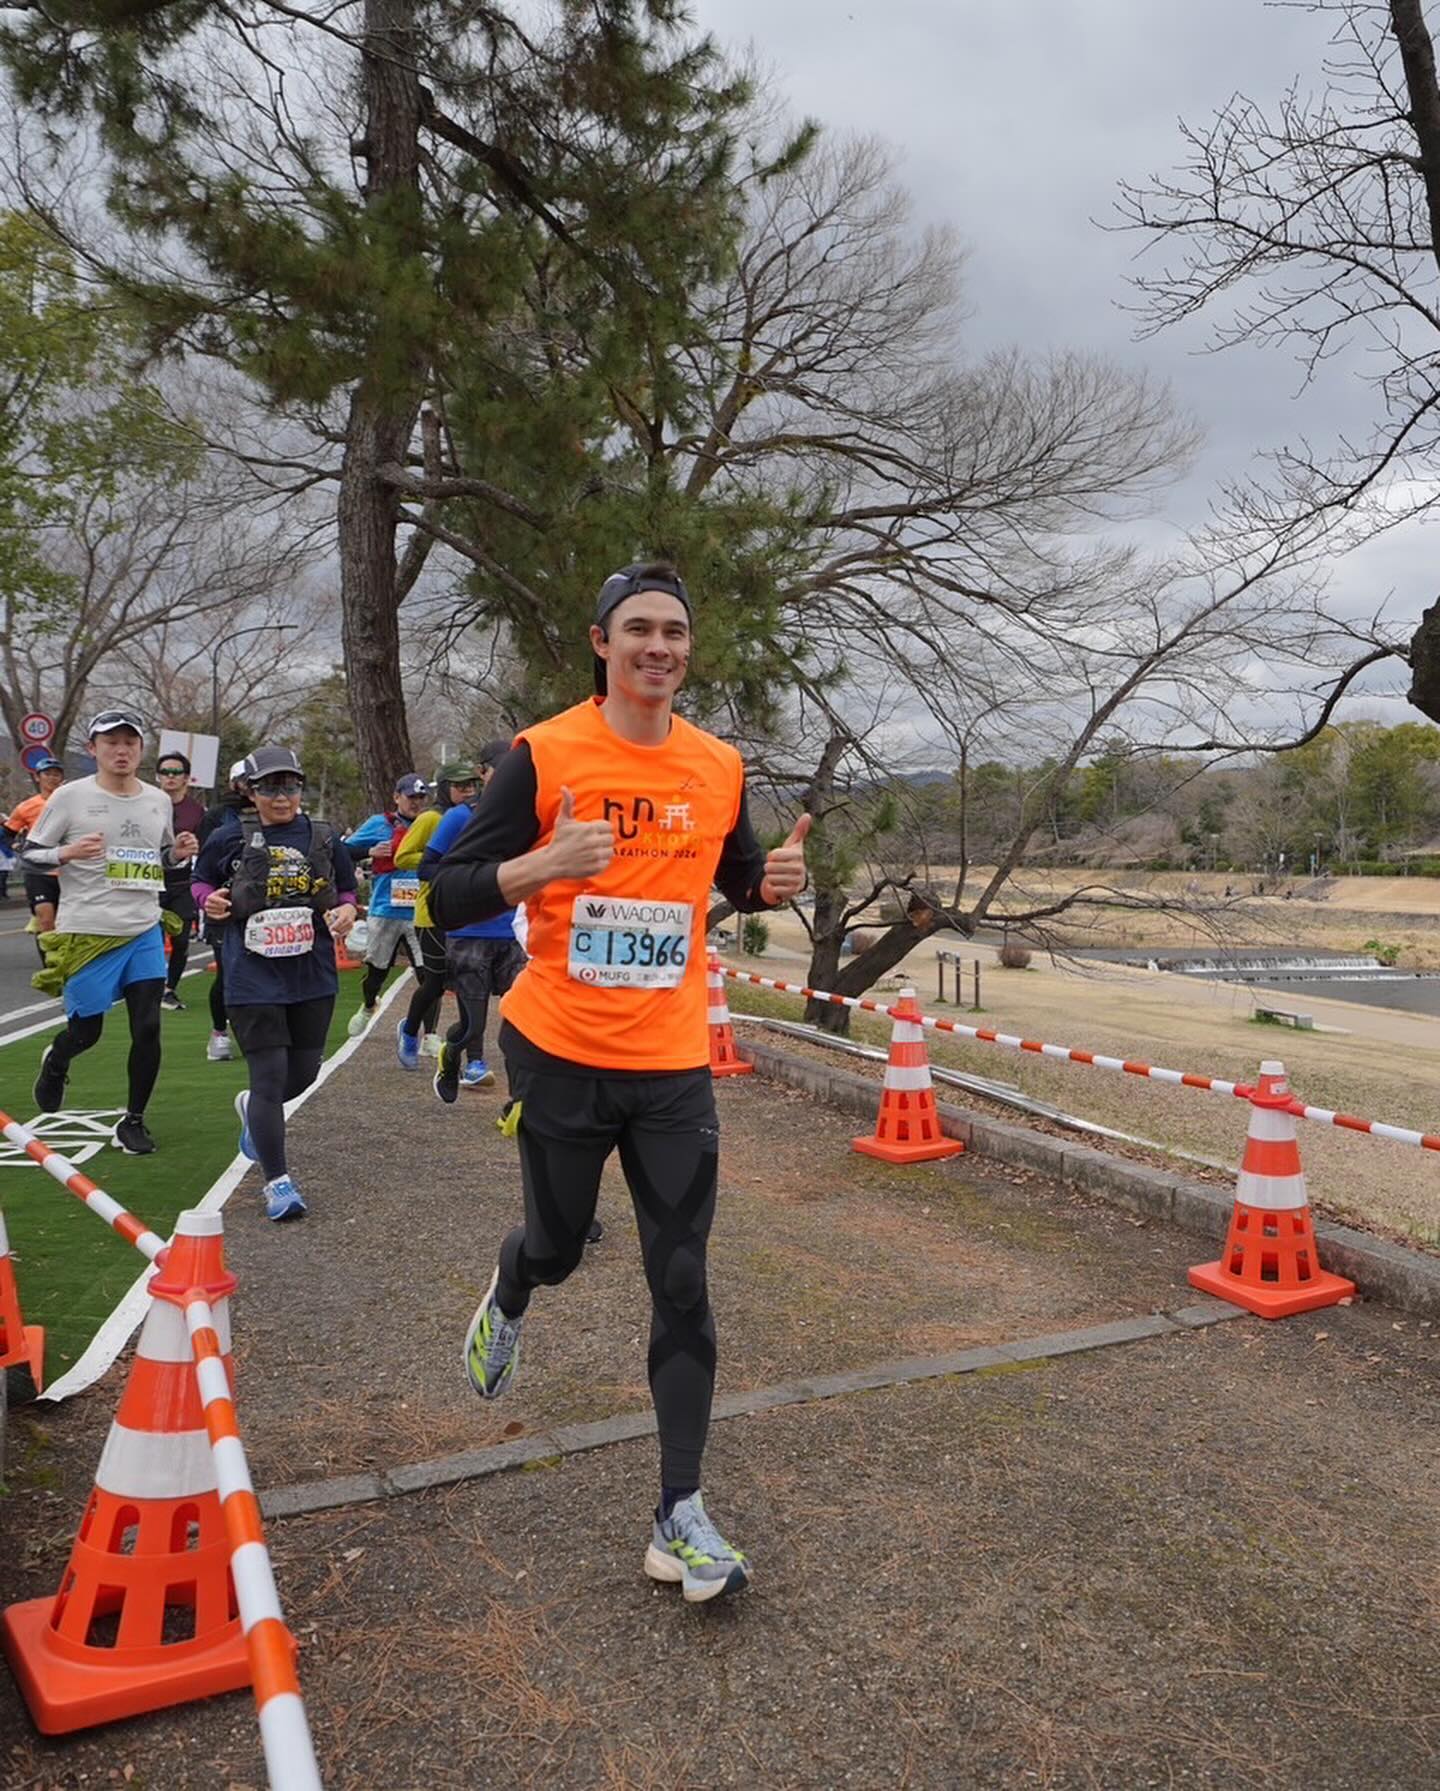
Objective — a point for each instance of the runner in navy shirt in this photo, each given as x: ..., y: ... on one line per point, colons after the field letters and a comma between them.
x: 284, y: 887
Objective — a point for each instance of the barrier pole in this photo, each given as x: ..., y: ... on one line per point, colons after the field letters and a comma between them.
x: 284, y: 1728
x: 1130, y: 1067
x: 133, y: 1230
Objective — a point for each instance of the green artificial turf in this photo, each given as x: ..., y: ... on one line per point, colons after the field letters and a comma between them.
x: 71, y: 1268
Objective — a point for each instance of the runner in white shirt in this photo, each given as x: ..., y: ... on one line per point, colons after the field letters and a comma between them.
x: 109, y: 839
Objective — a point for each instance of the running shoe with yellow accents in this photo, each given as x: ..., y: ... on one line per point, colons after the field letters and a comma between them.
x: 687, y: 1549
x: 492, y: 1345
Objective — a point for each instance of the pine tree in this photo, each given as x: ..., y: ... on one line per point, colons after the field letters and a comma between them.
x: 357, y: 270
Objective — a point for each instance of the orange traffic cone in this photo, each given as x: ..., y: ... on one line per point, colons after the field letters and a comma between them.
x: 1270, y: 1264
x: 725, y: 1060
x: 20, y: 1344
x: 343, y: 959
x: 908, y: 1129
x: 146, y: 1612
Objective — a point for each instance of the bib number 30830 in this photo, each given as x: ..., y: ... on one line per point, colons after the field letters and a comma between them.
x: 280, y: 932
x: 619, y: 944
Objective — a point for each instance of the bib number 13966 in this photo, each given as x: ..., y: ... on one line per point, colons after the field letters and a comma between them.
x: 618, y: 944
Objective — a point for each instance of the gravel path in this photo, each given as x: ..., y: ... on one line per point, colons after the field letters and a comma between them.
x: 1203, y: 1561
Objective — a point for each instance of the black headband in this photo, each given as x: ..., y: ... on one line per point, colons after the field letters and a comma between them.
x: 630, y: 581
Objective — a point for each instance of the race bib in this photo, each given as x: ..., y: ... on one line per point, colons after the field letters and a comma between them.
x: 280, y: 932
x: 404, y: 891
x: 620, y: 944
x: 134, y: 864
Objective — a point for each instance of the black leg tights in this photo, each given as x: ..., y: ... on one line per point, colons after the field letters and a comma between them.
x: 79, y: 1035
x: 669, y: 1154
x: 372, y: 982
x: 179, y: 952
x: 424, y: 1006
x: 219, y: 1018
x: 143, y: 1001
x: 276, y: 1076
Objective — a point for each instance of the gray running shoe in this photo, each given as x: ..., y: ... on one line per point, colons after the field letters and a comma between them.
x: 687, y: 1549
x: 492, y: 1345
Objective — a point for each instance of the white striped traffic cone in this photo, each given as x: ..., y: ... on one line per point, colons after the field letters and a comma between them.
x: 1270, y: 1264
x: 21, y: 1345
x: 146, y: 1613
x: 725, y: 1060
x: 908, y: 1127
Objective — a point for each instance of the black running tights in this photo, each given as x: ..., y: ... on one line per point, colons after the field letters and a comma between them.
x: 423, y: 1014
x: 668, y: 1139
x: 179, y: 952
x: 276, y: 1076
x: 143, y: 1002
x: 219, y: 1018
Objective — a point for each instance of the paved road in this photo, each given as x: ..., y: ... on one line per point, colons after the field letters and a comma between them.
x: 18, y: 964
x: 21, y: 1006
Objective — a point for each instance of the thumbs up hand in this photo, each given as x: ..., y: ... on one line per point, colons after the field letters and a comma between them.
x: 578, y: 849
x: 785, y: 867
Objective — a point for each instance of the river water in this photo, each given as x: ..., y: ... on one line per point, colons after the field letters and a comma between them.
x: 1288, y: 978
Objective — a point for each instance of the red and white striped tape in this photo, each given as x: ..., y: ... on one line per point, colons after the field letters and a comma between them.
x: 1184, y: 1078
x: 284, y: 1727
x: 99, y: 1202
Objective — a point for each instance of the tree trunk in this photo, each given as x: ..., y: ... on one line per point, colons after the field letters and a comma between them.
x: 897, y: 942
x: 828, y: 921
x: 383, y: 409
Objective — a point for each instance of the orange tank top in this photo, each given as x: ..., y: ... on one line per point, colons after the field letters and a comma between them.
x: 616, y: 977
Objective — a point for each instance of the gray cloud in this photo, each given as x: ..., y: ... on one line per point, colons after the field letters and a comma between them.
x: 1015, y: 124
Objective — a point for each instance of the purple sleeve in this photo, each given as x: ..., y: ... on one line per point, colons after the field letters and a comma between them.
x: 201, y: 891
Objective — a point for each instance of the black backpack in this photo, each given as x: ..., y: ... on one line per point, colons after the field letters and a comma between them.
x: 250, y: 879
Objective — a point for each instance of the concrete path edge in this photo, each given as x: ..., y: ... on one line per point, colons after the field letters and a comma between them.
x: 1381, y: 1270
x: 546, y: 1449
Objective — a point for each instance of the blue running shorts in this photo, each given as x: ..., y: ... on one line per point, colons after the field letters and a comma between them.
x: 96, y: 988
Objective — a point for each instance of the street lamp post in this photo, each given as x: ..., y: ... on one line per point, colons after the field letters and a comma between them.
x: 224, y: 641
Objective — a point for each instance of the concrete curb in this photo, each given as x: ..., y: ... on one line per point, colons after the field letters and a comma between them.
x: 1408, y: 1279
x: 546, y: 1449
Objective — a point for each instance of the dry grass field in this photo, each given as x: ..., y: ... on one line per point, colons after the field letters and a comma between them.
x: 1331, y: 913
x: 1374, y: 1062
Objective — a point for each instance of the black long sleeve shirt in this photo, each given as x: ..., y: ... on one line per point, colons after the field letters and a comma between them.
x: 466, y: 887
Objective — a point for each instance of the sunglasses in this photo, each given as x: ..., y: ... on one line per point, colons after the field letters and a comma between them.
x: 278, y: 786
x: 170, y: 771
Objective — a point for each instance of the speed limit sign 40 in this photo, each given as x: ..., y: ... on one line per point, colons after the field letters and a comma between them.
x: 36, y: 729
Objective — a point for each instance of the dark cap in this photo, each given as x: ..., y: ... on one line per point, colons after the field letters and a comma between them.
x: 494, y: 750
x: 630, y: 581
x: 49, y: 763
x: 272, y: 761
x: 412, y: 784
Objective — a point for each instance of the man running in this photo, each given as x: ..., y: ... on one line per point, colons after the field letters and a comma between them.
x: 611, y: 822
x: 390, y: 912
x: 282, y: 887
x: 42, y: 893
x: 456, y: 785
x: 172, y: 773
x: 110, y: 839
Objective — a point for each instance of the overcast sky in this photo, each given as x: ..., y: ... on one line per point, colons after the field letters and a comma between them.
x: 1015, y: 124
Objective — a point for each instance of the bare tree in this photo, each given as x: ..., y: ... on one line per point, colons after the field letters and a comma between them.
x: 143, y: 564
x: 1317, y: 227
